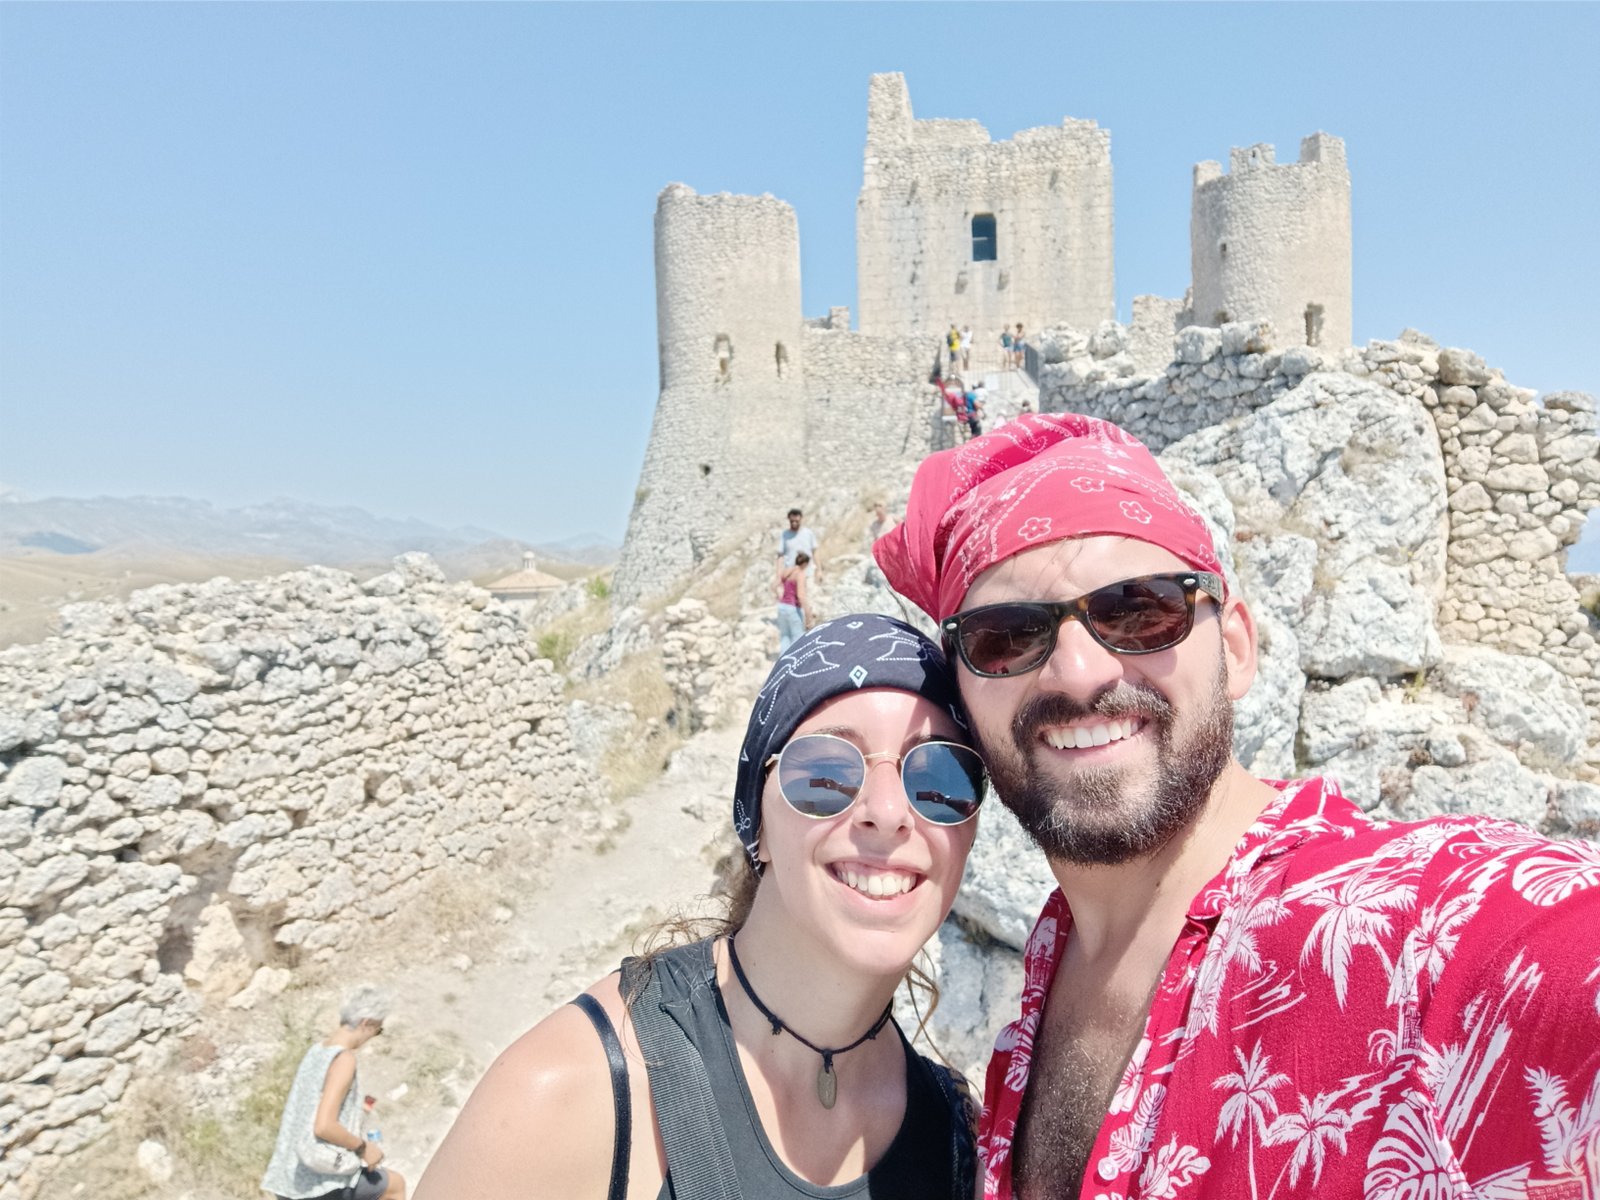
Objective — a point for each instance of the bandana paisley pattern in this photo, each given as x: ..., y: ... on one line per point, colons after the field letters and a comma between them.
x: 1354, y: 1008
x: 1035, y: 480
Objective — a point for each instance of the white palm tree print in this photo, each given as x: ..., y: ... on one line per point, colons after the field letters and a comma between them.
x: 1251, y: 1106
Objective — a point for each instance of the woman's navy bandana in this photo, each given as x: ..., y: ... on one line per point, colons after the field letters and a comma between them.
x: 848, y: 654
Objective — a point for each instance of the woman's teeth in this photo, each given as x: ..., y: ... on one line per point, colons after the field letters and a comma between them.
x: 1082, y: 737
x: 875, y: 883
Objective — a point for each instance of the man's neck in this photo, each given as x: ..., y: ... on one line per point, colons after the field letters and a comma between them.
x: 1113, y: 905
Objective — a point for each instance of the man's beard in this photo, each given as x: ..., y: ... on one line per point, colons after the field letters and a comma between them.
x: 1102, y: 816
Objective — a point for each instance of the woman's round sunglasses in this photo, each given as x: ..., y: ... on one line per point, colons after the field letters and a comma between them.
x: 821, y: 775
x: 1134, y: 616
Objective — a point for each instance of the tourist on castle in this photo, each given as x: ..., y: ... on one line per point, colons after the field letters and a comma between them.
x: 1006, y: 354
x: 966, y: 347
x: 794, y: 610
x: 974, y: 408
x: 321, y: 1151
x: 952, y: 341
x: 1019, y: 347
x: 765, y: 1060
x: 1242, y: 987
x: 796, y: 539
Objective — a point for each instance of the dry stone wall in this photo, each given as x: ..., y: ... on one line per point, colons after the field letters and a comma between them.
x: 209, y: 783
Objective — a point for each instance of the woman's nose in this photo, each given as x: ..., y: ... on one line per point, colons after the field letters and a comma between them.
x: 883, y: 802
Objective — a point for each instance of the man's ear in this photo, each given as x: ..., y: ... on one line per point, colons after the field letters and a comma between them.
x: 1239, y: 646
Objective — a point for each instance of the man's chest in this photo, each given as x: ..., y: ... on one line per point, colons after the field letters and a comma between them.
x: 1089, y: 1033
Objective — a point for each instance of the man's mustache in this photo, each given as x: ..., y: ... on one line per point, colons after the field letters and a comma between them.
x: 1113, y: 702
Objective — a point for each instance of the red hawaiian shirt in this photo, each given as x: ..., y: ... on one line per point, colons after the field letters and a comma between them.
x: 1353, y: 1009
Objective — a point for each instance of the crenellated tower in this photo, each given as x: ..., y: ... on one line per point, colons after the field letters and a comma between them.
x: 1273, y: 241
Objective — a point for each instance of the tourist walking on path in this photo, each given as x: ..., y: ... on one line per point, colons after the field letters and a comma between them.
x: 794, y: 610
x: 1241, y: 987
x: 797, y: 539
x: 764, y: 1061
x: 320, y: 1151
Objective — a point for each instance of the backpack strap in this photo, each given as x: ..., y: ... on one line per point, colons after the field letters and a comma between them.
x: 621, y: 1095
x: 699, y: 1163
x: 957, y: 1095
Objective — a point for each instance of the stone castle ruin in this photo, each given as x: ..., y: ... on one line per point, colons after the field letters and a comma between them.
x: 759, y: 405
x: 183, y: 775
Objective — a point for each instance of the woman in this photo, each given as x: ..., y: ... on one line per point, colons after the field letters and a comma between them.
x: 319, y: 1152
x: 794, y: 606
x: 767, y: 1073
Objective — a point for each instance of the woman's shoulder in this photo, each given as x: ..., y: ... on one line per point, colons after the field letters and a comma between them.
x: 541, y: 1116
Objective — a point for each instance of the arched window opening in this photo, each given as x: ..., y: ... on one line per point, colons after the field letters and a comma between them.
x: 985, y: 247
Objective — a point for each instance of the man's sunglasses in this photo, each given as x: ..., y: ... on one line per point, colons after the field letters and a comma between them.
x: 821, y: 775
x: 1135, y: 616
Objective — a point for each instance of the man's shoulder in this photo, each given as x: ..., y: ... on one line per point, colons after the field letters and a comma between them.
x: 1339, y: 846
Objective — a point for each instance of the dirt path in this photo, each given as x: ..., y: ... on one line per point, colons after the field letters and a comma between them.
x: 565, y: 932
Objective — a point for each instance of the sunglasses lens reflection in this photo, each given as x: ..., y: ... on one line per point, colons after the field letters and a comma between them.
x: 821, y: 776
x: 946, y: 783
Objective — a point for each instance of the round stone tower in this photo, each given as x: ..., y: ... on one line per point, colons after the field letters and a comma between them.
x: 729, y: 423
x: 1273, y: 241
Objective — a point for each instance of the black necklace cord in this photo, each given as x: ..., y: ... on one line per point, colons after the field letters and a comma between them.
x: 779, y: 1025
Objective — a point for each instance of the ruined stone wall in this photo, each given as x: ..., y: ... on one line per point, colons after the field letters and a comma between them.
x: 1272, y: 242
x: 209, y: 783
x: 732, y: 364
x: 1518, y: 477
x: 1048, y: 189
x: 869, y: 409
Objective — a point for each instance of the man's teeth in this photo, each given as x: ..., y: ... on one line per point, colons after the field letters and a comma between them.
x: 1082, y: 737
x: 876, y: 884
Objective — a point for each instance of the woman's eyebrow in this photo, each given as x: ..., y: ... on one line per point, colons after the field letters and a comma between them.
x: 853, y: 735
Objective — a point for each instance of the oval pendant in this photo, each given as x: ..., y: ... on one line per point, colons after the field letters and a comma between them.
x: 827, y: 1086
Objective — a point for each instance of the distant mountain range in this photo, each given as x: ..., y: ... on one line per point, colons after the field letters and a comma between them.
x: 280, y: 529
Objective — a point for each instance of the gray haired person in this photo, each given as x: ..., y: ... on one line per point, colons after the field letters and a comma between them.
x: 321, y: 1153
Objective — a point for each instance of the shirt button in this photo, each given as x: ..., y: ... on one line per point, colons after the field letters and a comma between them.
x: 1107, y: 1170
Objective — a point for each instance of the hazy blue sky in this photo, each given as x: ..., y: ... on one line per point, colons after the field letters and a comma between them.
x: 399, y: 256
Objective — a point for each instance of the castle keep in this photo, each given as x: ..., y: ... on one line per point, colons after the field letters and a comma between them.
x: 761, y: 408
x: 953, y: 227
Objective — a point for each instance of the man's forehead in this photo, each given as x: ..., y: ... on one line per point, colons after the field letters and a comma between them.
x: 1065, y: 569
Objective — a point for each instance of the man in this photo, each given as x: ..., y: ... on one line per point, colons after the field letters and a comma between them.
x: 792, y: 541
x: 1241, y: 988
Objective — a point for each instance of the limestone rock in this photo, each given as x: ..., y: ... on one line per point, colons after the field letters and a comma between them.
x: 1520, y: 702
x: 1462, y: 367
x: 1358, y: 471
x: 154, y: 1161
x: 1496, y: 786
x: 219, y: 964
x: 1007, y: 878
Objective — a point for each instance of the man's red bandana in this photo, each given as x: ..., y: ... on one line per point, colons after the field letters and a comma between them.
x: 1041, y: 478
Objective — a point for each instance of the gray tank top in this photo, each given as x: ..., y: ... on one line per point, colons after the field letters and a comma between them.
x: 916, y: 1165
